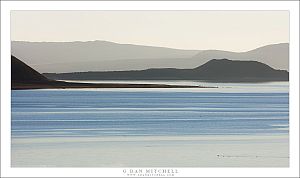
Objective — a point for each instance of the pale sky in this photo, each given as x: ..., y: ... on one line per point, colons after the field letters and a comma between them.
x: 223, y: 30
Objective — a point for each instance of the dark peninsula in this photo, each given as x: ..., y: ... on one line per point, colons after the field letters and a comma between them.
x: 25, y: 77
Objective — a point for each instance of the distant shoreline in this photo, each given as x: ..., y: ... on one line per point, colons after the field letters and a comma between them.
x: 68, y: 85
x: 249, y: 80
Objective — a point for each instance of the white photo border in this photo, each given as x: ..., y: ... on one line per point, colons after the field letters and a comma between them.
x: 7, y: 6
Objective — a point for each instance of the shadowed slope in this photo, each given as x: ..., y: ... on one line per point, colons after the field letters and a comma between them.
x: 21, y: 72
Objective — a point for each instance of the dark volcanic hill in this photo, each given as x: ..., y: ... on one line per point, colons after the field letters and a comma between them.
x: 225, y: 69
x: 21, y: 72
x: 216, y: 70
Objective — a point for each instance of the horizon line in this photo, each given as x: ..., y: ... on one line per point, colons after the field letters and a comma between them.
x: 146, y: 45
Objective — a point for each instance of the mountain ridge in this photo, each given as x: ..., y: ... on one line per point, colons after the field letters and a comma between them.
x: 265, y: 54
x: 110, y: 56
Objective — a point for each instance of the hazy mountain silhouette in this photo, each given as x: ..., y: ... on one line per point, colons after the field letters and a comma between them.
x: 84, y: 56
x: 222, y: 70
x: 108, y: 56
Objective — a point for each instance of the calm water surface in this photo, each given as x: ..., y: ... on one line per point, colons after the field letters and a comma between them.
x: 231, y: 109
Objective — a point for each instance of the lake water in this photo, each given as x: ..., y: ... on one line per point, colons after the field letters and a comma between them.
x: 231, y: 109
